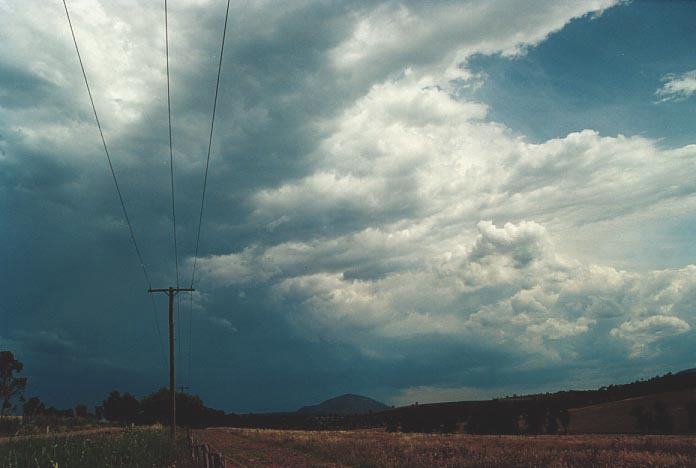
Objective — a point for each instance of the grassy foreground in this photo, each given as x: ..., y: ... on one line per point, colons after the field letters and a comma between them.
x: 137, y: 447
x: 252, y: 447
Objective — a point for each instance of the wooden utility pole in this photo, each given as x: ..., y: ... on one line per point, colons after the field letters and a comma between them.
x: 171, y: 292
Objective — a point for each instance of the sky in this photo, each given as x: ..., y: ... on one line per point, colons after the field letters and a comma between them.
x: 414, y: 201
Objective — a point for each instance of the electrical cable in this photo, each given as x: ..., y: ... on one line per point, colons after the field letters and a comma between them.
x: 113, y: 175
x: 205, y: 183
x: 171, y: 152
x: 210, y: 144
x: 106, y: 151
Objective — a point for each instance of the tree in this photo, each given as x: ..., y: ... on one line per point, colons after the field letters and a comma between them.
x: 645, y: 420
x: 11, y: 386
x: 534, y: 415
x: 121, y: 408
x: 663, y: 420
x: 553, y: 416
x: 564, y: 416
x: 191, y: 411
x: 691, y: 415
x: 33, y: 407
x: 81, y: 411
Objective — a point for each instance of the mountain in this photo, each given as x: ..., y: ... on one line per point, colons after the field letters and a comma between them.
x: 344, y: 405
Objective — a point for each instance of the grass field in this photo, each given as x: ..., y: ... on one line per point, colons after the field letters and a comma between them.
x: 141, y: 447
x: 251, y: 447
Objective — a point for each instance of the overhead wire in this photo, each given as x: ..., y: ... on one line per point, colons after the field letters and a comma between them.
x: 106, y: 151
x: 178, y: 321
x: 171, y: 160
x: 171, y: 151
x: 188, y: 373
x: 171, y: 174
x: 113, y: 175
x: 159, y: 333
x: 205, y: 185
x: 210, y: 144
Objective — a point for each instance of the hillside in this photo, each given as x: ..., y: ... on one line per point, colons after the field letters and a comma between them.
x: 344, y: 405
x: 664, y: 405
x: 619, y: 417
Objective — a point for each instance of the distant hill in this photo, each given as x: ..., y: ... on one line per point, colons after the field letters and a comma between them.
x: 658, y: 405
x: 620, y: 416
x: 344, y: 405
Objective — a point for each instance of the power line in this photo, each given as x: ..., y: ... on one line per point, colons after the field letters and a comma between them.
x: 205, y: 185
x: 113, y: 175
x: 210, y: 143
x: 178, y: 323
x: 159, y: 333
x: 171, y: 152
x: 106, y: 151
x: 188, y: 374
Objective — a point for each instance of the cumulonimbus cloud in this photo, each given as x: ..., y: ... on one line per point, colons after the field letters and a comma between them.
x: 353, y: 188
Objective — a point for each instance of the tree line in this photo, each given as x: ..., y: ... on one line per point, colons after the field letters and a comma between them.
x: 117, y: 407
x: 533, y: 414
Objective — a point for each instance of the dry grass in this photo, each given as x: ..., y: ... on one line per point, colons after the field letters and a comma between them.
x: 134, y: 447
x: 376, y: 448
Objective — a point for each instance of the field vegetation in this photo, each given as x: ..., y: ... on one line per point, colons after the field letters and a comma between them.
x: 253, y: 447
x: 134, y: 447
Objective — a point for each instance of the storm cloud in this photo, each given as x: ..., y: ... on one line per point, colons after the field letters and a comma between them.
x: 369, y: 227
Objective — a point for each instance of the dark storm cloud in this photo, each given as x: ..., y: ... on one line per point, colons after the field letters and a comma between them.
x: 340, y: 244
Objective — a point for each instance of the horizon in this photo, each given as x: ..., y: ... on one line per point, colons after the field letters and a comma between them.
x: 442, y: 202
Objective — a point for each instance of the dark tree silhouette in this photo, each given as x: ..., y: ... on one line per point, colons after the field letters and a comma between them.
x: 552, y: 420
x: 392, y: 424
x: 449, y: 424
x: 33, y: 407
x: 663, y: 420
x: 81, y: 411
x: 564, y: 416
x: 11, y: 386
x: 190, y: 410
x: 493, y: 418
x: 66, y: 413
x: 534, y: 417
x: 644, y: 419
x: 121, y: 408
x: 655, y: 420
x: 691, y: 415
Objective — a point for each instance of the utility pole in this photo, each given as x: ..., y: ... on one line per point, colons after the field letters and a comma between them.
x: 171, y: 292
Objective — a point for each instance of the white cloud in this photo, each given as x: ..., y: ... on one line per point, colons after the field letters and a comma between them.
x: 677, y: 87
x: 222, y: 323
x: 442, y: 36
x: 505, y: 289
x: 405, y: 175
x: 642, y: 333
x: 388, y: 157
